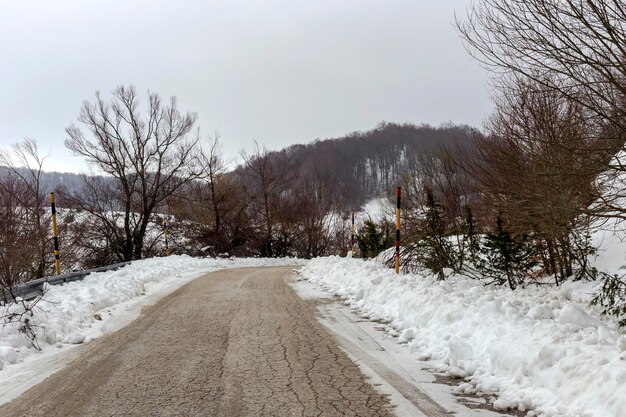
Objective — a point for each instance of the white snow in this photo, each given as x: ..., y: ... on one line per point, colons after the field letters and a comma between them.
x: 390, y: 367
x: 102, y: 303
x: 375, y: 209
x: 576, y: 315
x: 538, y: 348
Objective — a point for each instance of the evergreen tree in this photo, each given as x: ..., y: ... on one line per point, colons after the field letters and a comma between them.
x: 438, y: 251
x: 612, y: 296
x: 372, y: 239
x: 508, y: 258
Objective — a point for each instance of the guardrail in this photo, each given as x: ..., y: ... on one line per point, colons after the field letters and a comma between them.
x: 34, y: 288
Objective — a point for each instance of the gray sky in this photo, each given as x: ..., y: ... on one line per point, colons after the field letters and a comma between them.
x: 280, y: 72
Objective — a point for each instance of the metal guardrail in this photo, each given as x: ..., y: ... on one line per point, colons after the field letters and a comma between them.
x: 34, y: 288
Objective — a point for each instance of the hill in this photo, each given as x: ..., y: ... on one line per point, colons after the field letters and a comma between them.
x: 369, y: 164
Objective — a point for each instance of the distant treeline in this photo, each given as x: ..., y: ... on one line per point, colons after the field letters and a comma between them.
x: 363, y: 164
x: 293, y: 202
x: 370, y: 164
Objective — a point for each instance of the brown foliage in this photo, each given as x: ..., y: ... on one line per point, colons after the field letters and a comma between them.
x: 538, y: 166
x: 574, y: 50
x: 24, y: 244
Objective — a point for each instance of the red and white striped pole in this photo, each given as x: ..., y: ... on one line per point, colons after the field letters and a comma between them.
x: 398, y: 194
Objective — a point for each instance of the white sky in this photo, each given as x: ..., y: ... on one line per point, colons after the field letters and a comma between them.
x: 280, y: 72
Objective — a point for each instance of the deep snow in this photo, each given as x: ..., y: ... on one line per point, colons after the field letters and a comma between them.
x: 539, y: 348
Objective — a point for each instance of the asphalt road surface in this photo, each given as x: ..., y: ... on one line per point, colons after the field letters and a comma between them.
x: 233, y: 343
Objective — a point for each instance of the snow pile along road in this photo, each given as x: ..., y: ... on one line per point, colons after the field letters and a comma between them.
x: 104, y: 302
x: 539, y: 348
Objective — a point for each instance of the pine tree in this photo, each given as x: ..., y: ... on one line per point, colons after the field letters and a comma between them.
x: 612, y: 297
x: 372, y: 240
x: 508, y: 258
x: 437, y: 248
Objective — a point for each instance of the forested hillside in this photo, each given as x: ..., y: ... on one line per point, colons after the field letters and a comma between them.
x: 370, y: 164
x: 363, y: 164
x: 297, y: 201
x: 293, y: 202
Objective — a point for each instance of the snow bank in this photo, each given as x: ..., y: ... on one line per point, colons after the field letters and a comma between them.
x: 538, y: 348
x: 104, y: 302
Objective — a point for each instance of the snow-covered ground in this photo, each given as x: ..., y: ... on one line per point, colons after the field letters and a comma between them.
x: 375, y: 209
x: 538, y: 348
x: 542, y: 349
x: 100, y: 304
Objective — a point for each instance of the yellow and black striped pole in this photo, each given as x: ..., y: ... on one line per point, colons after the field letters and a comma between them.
x: 398, y: 194
x: 55, y: 234
x: 352, y: 240
x: 165, y: 232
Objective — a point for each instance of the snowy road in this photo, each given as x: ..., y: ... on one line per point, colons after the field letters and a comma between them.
x: 234, y: 343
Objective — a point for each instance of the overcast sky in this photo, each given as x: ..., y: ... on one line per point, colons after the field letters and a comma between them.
x: 279, y: 72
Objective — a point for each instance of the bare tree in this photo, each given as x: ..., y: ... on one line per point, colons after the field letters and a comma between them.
x: 437, y: 193
x: 149, y: 157
x: 98, y: 229
x: 266, y: 178
x: 215, y: 206
x: 317, y: 201
x: 19, y: 243
x: 219, y: 190
x: 577, y: 48
x: 25, y: 201
x: 538, y: 168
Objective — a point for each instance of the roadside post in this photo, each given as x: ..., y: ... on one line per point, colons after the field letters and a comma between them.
x: 55, y: 234
x: 398, y: 195
x: 165, y: 233
x: 352, y: 239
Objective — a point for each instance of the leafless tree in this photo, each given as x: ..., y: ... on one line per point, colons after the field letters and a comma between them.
x: 577, y: 48
x: 266, y: 177
x: 25, y: 202
x: 317, y: 203
x: 436, y: 184
x: 219, y: 192
x: 149, y: 157
x: 19, y: 242
x: 538, y: 168
x: 215, y: 206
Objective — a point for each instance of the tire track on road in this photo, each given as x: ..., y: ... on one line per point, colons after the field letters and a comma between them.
x: 400, y: 381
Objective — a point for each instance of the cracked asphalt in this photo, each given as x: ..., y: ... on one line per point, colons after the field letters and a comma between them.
x: 233, y: 343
